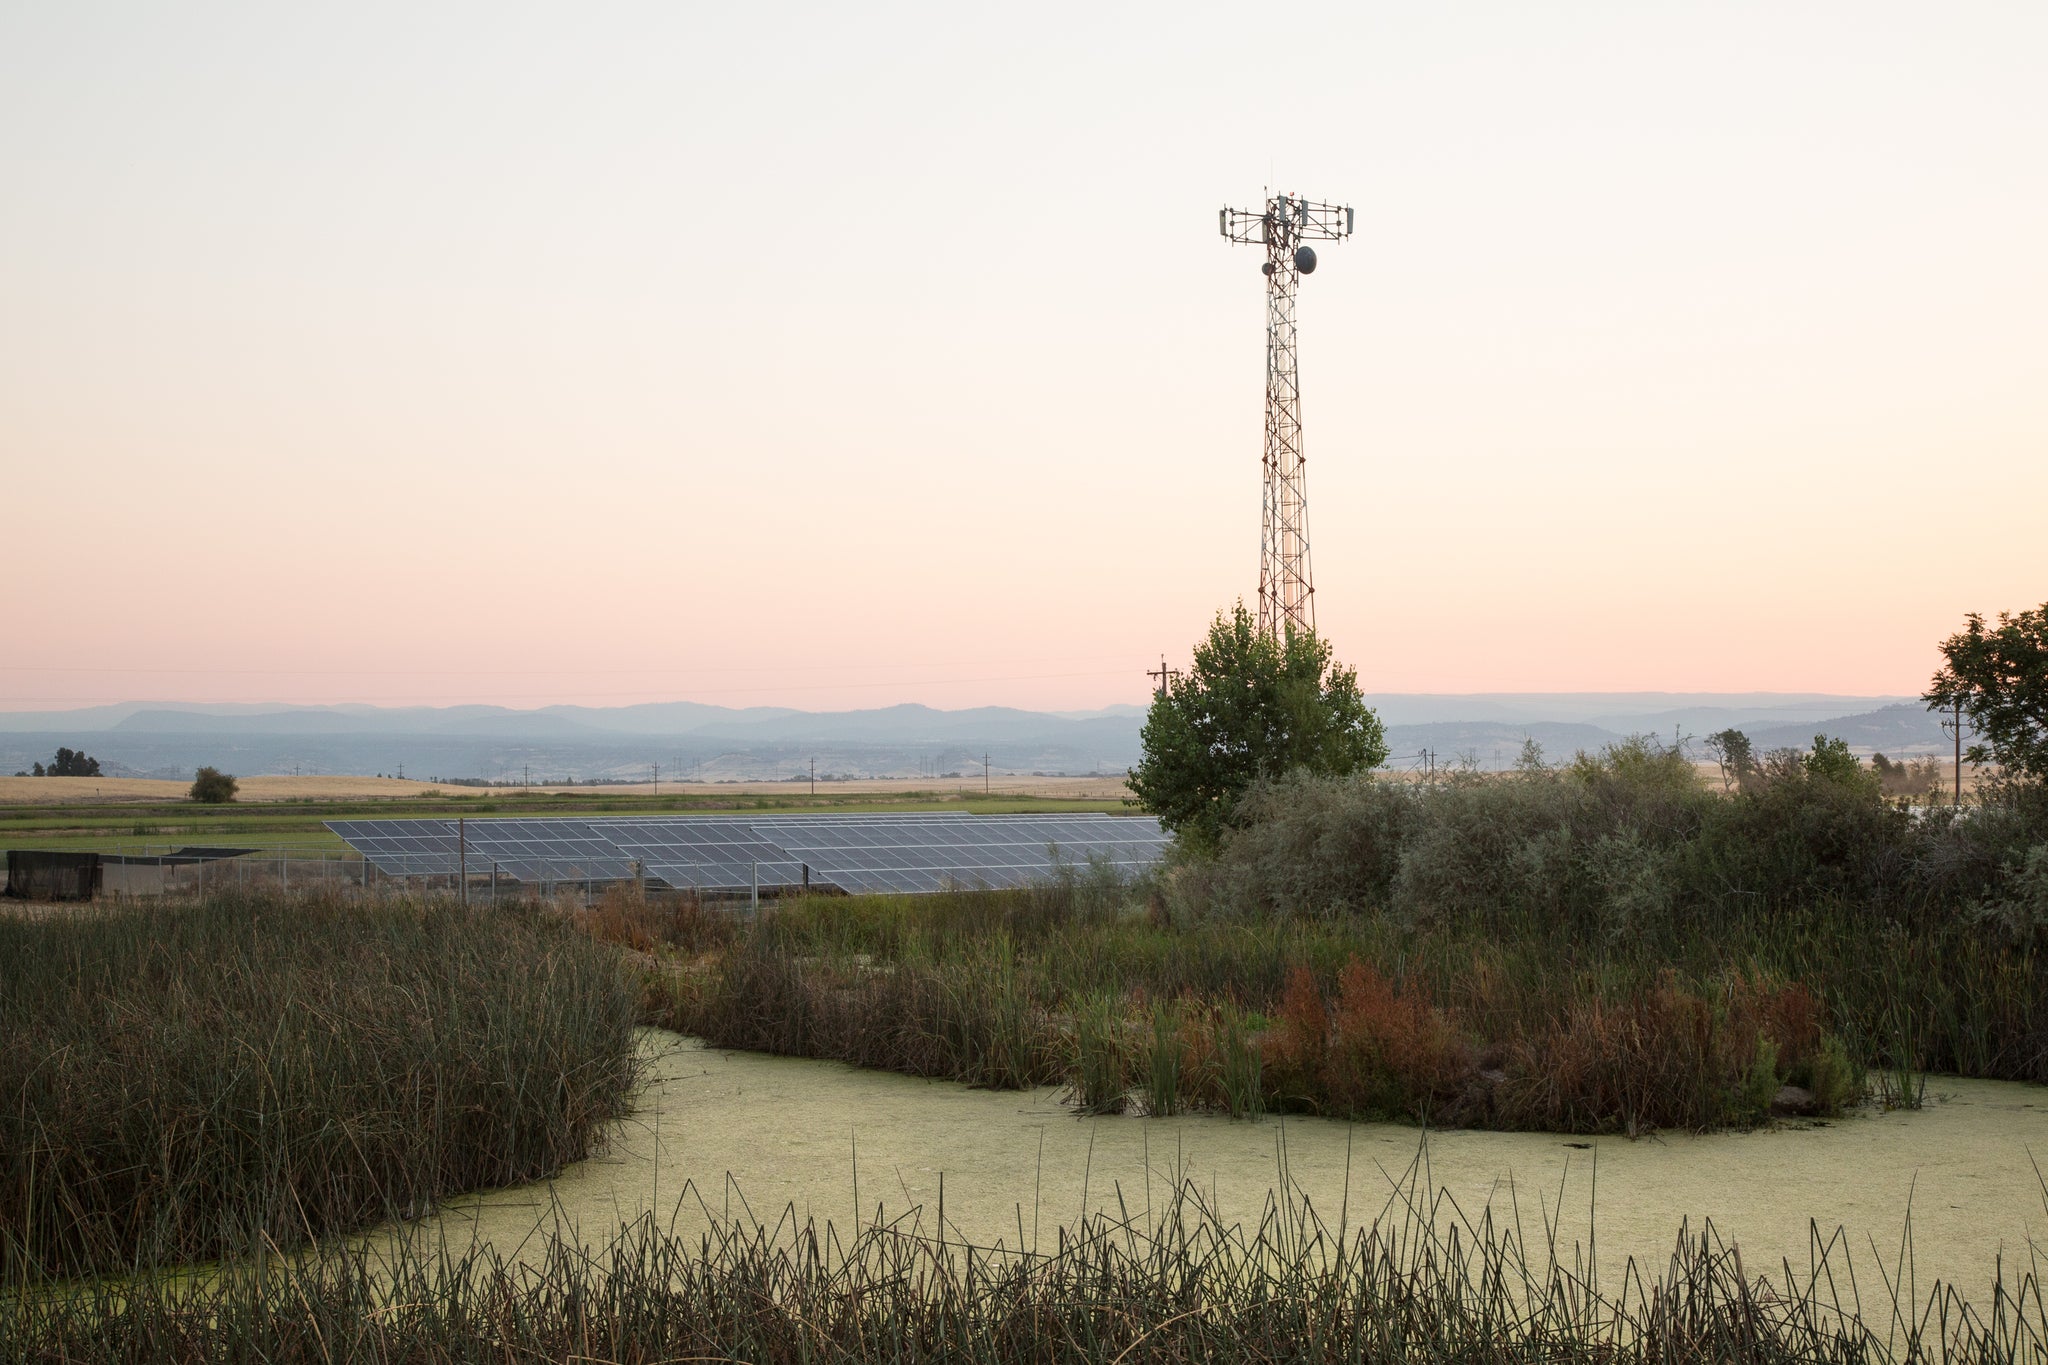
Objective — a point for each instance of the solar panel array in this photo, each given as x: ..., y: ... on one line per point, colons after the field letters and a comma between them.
x: 704, y: 854
x: 934, y: 853
x: 731, y: 853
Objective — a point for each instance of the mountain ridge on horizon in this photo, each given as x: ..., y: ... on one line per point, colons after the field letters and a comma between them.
x: 701, y: 742
x: 1606, y: 709
x: 686, y: 717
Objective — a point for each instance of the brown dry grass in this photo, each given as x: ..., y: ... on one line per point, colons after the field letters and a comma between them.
x: 1083, y: 788
x: 69, y: 791
x: 74, y: 791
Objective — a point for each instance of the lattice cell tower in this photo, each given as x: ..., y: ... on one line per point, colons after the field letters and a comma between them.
x: 1284, y: 228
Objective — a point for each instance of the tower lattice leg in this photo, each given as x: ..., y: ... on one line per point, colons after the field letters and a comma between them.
x: 1286, y: 587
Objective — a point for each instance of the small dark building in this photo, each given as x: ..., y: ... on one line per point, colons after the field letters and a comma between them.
x: 41, y: 875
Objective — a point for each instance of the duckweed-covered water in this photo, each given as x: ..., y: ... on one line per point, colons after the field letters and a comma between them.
x: 727, y: 1132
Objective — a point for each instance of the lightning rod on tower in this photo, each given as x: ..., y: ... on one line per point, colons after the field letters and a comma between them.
x: 1285, y: 227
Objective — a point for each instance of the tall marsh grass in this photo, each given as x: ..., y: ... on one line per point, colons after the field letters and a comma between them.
x: 1423, y: 1280
x: 177, y: 1082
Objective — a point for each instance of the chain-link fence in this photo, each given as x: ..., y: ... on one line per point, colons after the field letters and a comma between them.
x: 158, y: 872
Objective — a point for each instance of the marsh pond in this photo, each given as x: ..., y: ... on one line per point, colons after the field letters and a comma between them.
x: 1952, y: 1185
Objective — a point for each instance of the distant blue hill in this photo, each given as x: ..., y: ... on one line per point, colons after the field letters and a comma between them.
x: 697, y: 741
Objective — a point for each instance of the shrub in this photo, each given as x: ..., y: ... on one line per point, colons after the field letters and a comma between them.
x: 1391, y: 1055
x: 1799, y: 839
x: 213, y: 787
x: 1644, y: 1062
x: 1316, y: 846
x: 2021, y: 908
x: 1834, y: 1081
x: 1297, y: 1046
x: 1486, y: 851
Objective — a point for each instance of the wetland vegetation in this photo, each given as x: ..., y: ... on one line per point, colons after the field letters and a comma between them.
x: 1604, y: 946
x: 1599, y: 947
x: 1427, y: 1284
x: 186, y: 1080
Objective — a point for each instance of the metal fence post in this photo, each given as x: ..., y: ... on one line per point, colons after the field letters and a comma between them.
x: 754, y: 893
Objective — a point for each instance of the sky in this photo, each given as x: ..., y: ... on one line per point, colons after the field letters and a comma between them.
x: 838, y: 356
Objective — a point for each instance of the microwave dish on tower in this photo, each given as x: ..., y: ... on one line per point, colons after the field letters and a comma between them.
x: 1284, y: 227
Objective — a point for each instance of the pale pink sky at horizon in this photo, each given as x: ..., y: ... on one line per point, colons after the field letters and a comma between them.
x: 835, y: 357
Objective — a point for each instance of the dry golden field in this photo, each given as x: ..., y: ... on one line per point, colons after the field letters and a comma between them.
x: 1081, y: 788
x: 61, y: 791
x: 70, y: 791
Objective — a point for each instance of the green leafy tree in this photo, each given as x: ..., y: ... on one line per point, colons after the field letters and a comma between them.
x: 1732, y: 750
x: 1253, y: 707
x: 2000, y: 679
x: 1831, y: 761
x: 70, y: 763
x: 213, y: 786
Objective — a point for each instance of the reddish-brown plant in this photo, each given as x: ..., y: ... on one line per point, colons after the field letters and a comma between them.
x: 1391, y: 1054
x: 1297, y: 1045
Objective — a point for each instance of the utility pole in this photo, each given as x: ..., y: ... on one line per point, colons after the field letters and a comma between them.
x: 814, y: 775
x: 984, y: 774
x: 657, y: 779
x: 1165, y: 676
x: 1953, y: 724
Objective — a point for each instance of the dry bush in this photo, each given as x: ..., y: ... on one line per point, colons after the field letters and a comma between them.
x: 621, y: 916
x: 1664, y: 1056
x: 1295, y: 1048
x: 627, y: 916
x: 1392, y: 1054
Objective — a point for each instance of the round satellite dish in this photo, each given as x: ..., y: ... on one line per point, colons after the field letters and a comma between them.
x: 1305, y: 259
x: 1266, y: 268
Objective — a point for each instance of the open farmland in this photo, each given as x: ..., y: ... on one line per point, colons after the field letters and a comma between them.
x: 81, y: 791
